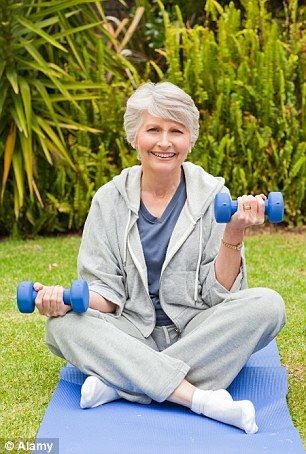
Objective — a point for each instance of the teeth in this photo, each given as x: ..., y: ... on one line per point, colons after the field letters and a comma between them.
x: 164, y: 155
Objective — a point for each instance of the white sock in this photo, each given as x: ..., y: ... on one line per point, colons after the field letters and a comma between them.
x: 94, y: 392
x: 220, y: 406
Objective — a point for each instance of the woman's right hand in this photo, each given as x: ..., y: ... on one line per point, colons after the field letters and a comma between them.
x: 49, y: 300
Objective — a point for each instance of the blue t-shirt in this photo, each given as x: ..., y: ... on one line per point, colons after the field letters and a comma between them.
x: 155, y: 234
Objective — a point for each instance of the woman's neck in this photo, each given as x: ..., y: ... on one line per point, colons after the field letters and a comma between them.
x: 160, y: 185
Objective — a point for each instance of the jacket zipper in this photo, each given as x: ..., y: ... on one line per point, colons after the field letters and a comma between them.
x: 178, y: 330
x: 143, y: 283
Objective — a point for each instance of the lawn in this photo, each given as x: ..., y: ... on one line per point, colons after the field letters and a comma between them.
x: 29, y: 372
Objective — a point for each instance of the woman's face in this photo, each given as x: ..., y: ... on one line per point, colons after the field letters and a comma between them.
x: 162, y: 144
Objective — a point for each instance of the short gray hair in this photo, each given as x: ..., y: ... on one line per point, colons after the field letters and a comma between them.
x: 164, y: 100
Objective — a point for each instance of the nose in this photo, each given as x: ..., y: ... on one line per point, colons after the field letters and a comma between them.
x: 163, y: 141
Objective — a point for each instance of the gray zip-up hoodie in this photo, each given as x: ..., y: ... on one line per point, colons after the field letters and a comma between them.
x: 111, y: 258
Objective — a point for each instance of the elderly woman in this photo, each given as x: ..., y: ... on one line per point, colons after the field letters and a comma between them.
x: 170, y: 317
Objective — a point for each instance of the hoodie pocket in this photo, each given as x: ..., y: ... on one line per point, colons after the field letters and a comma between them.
x: 178, y: 288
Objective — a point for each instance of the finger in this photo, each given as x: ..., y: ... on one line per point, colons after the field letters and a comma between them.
x: 252, y: 207
x: 37, y: 286
x: 64, y: 308
x: 261, y: 200
x: 260, y: 208
x: 39, y: 299
x: 61, y: 307
x: 246, y: 206
x: 54, y: 303
x: 247, y: 210
x: 46, y: 301
x: 253, y: 203
x: 247, y: 202
x: 241, y: 200
x: 57, y: 305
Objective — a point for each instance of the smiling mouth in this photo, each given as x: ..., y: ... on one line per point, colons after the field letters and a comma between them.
x: 163, y: 155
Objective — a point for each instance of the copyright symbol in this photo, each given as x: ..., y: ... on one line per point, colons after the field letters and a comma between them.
x: 9, y: 445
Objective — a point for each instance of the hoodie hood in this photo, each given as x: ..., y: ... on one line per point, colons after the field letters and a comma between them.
x: 201, y: 188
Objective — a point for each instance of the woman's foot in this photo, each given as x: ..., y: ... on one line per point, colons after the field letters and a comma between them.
x: 219, y: 405
x: 94, y: 393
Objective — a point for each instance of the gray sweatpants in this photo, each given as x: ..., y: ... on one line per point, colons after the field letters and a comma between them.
x: 209, y: 353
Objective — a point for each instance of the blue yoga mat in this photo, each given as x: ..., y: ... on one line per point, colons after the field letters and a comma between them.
x: 158, y: 428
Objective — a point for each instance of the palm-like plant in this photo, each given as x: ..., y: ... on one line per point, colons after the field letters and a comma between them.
x: 35, y: 40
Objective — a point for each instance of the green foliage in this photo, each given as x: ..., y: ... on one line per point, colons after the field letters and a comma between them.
x: 247, y: 83
x: 54, y: 98
x: 66, y: 71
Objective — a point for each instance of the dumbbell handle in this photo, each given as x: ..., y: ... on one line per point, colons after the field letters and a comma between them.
x: 66, y: 296
x: 234, y: 206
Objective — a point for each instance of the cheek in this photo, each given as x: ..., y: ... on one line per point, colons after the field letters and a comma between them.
x: 145, y: 142
x: 183, y: 146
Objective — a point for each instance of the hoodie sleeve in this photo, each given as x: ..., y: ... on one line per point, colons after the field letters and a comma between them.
x: 98, y: 259
x: 212, y: 291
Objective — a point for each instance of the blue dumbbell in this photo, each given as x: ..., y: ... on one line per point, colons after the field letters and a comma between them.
x: 77, y: 296
x: 225, y: 207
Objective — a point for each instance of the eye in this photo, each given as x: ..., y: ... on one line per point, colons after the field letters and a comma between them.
x: 152, y: 129
x: 178, y: 131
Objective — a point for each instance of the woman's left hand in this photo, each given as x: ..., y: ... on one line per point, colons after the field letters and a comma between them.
x: 250, y: 211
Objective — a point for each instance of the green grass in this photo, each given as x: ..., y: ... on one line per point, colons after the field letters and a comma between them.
x: 29, y: 372
x: 278, y: 261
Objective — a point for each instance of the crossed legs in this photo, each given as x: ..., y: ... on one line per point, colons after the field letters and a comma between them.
x: 194, y: 371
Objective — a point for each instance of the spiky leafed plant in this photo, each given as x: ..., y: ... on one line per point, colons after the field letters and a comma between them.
x: 247, y: 78
x: 35, y: 36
